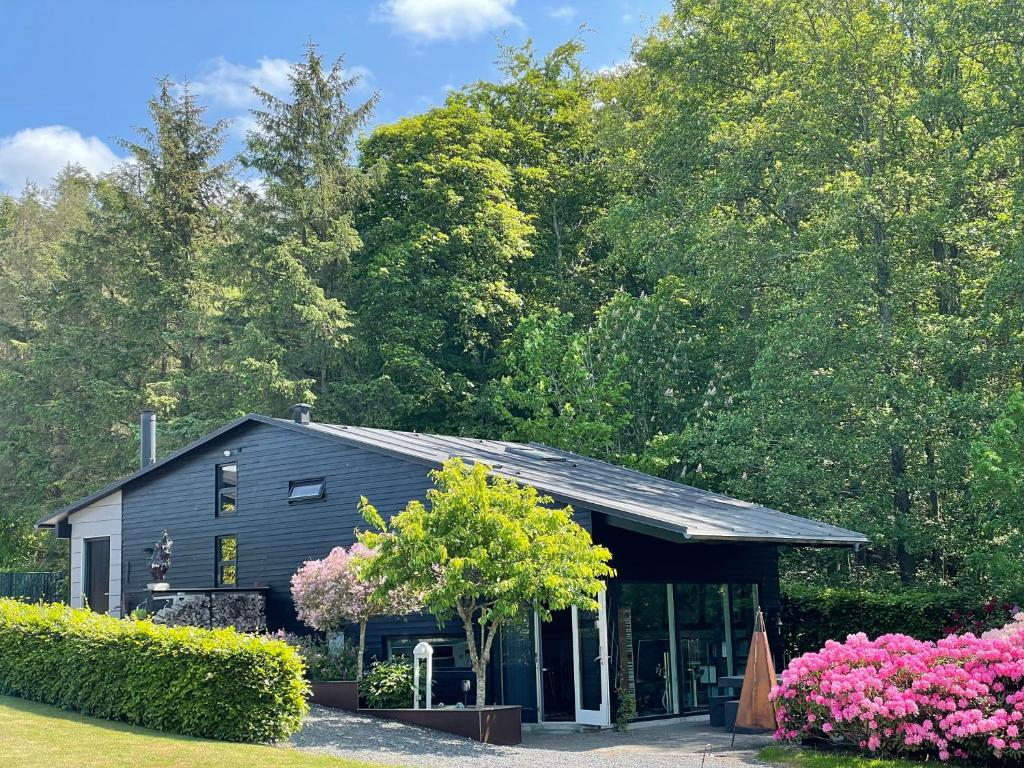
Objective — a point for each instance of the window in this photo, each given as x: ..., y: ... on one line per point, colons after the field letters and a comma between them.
x: 227, y: 489
x: 227, y: 561
x: 306, y: 490
x: 450, y: 651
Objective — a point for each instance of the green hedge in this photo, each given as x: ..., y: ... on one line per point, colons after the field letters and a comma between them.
x: 810, y: 616
x: 217, y: 684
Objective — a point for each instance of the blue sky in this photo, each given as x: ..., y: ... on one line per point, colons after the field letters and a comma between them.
x: 77, y: 75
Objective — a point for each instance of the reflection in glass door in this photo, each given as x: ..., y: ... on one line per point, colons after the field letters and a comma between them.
x: 675, y: 641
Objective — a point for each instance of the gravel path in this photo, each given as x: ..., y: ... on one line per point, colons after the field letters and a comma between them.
x: 675, y: 745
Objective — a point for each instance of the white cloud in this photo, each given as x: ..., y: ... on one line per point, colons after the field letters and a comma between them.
x: 563, y: 13
x: 227, y: 84
x: 39, y: 154
x: 431, y: 20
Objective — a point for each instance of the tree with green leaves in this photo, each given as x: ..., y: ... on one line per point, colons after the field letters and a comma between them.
x: 996, y: 513
x: 298, y: 230
x: 435, y: 281
x: 561, y: 175
x: 830, y: 184
x: 485, y: 549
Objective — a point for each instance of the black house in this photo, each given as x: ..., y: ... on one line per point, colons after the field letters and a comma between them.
x: 249, y: 503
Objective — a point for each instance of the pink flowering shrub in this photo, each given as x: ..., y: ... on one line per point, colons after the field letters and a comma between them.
x: 331, y: 593
x: 959, y: 697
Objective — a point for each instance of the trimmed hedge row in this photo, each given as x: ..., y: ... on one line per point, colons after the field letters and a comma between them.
x: 212, y: 683
x: 811, y: 616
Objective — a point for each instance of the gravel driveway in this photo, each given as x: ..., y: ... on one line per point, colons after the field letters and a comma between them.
x: 675, y: 745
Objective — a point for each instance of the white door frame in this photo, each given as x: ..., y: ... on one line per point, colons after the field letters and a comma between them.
x: 599, y: 717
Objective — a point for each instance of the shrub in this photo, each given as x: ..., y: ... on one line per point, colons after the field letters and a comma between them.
x: 212, y: 683
x: 811, y: 616
x: 324, y: 661
x: 333, y: 592
x: 388, y: 684
x: 961, y: 696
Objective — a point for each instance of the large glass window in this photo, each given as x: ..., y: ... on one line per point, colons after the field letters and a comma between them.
x: 702, y: 650
x: 227, y: 561
x: 743, y: 601
x: 227, y: 489
x: 673, y: 642
x: 645, y: 660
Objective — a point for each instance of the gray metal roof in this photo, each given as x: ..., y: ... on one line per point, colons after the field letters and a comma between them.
x: 622, y: 493
x: 698, y: 514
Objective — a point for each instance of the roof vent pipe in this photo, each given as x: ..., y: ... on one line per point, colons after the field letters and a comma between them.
x: 300, y: 413
x: 147, y: 451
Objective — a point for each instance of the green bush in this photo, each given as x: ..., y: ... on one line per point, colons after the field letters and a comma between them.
x: 213, y: 683
x: 811, y: 615
x: 388, y: 684
x: 325, y: 661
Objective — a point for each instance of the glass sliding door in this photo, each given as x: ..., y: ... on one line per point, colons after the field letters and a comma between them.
x: 701, y: 640
x: 645, y: 648
x: 674, y: 642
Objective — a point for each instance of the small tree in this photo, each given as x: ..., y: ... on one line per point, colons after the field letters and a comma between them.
x: 330, y: 594
x: 483, y: 550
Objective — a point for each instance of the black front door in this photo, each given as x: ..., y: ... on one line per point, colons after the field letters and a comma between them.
x: 97, y: 574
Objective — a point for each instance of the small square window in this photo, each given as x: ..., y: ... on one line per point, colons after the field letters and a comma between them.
x: 306, y: 490
x: 227, y: 560
x: 227, y: 489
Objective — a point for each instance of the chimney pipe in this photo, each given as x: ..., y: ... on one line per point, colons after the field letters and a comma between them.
x: 147, y: 452
x: 300, y: 413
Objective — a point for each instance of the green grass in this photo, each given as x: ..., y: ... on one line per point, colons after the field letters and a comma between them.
x: 809, y: 758
x: 37, y: 736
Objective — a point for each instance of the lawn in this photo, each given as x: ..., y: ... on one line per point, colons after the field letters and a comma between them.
x: 37, y: 736
x: 809, y: 758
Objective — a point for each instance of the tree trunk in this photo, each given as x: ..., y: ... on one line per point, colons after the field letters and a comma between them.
x: 361, y: 652
x: 481, y: 682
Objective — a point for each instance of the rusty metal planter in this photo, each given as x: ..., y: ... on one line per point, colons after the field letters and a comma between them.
x: 337, y: 694
x: 491, y: 725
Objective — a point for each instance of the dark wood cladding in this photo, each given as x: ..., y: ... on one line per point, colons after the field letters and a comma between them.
x: 274, y: 537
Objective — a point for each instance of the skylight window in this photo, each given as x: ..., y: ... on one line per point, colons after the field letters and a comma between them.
x: 530, y: 452
x: 306, y: 490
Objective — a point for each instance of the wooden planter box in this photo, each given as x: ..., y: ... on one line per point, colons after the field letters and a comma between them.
x: 490, y: 725
x: 339, y: 694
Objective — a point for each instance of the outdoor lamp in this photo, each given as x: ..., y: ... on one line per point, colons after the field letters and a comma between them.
x: 424, y: 651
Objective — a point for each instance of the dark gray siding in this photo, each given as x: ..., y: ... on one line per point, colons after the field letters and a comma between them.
x: 274, y: 537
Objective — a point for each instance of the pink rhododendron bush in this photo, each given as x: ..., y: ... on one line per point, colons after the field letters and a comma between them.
x: 959, y: 697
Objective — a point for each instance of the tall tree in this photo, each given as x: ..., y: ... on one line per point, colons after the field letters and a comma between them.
x: 560, y: 173
x: 300, y: 228
x: 828, y: 182
x: 444, y: 242
x: 127, y: 314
